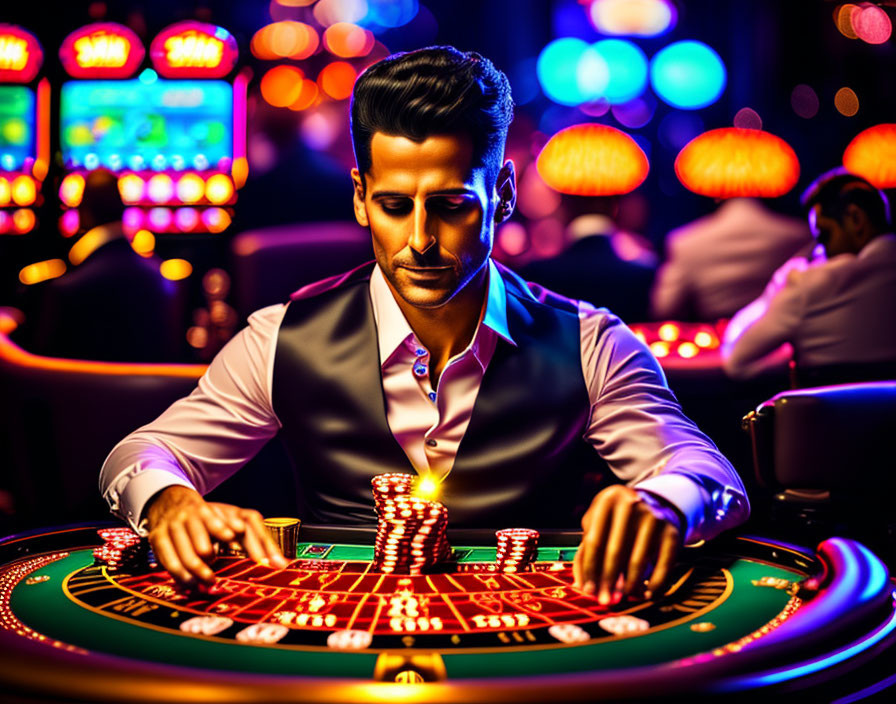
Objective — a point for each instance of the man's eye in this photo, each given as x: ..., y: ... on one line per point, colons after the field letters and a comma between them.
x: 396, y: 208
x: 453, y: 205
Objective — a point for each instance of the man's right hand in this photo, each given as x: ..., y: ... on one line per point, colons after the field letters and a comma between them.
x: 183, y: 528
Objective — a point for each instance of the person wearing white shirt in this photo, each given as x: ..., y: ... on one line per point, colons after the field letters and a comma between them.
x: 838, y: 308
x: 435, y: 360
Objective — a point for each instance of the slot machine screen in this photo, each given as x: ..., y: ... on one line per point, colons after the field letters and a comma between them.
x: 17, y: 127
x: 157, y: 125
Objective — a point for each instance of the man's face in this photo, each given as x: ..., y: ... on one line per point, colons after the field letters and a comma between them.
x: 830, y: 233
x: 430, y: 213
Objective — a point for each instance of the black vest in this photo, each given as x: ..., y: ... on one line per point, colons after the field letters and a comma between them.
x: 522, y: 458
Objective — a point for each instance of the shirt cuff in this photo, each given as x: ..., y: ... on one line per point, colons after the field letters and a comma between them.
x: 685, y: 495
x: 129, y: 495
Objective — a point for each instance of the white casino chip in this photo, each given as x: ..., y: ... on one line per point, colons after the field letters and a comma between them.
x: 349, y: 640
x: 262, y: 633
x: 206, y: 625
x: 623, y: 625
x: 569, y: 633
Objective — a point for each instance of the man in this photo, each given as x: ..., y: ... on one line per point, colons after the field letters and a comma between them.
x: 717, y: 264
x: 434, y: 360
x: 834, y: 310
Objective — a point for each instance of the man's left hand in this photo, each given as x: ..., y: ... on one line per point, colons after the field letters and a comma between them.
x: 623, y: 536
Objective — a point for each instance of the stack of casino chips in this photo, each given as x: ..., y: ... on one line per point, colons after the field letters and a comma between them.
x: 121, y: 547
x: 517, y: 548
x: 411, y: 532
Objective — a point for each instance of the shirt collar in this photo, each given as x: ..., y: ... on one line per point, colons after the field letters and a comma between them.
x: 878, y: 244
x: 392, y: 328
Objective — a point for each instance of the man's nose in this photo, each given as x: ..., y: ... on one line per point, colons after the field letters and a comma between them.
x: 422, y: 237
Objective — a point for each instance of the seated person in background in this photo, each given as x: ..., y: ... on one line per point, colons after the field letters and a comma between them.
x: 436, y: 360
x: 834, y: 310
x: 717, y: 264
x: 601, y: 264
x: 114, y: 305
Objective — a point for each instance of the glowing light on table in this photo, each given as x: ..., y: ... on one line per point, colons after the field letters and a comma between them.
x: 131, y: 188
x: 571, y: 72
x: 282, y: 85
x: 219, y: 189
x: 42, y: 271
x: 846, y: 101
x: 730, y: 162
x: 337, y: 79
x: 627, y: 66
x: 175, y: 269
x: 160, y: 188
x: 688, y: 75
x: 592, y: 160
x: 641, y: 18
x: 687, y: 350
x: 705, y: 339
x: 872, y: 155
x: 659, y: 348
x: 668, y: 332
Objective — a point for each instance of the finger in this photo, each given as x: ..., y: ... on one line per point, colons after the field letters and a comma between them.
x: 199, y: 536
x: 665, y: 560
x: 593, y: 545
x: 230, y: 515
x: 617, y: 546
x: 646, y: 544
x: 167, y: 555
x: 577, y: 569
x: 269, y: 546
x: 215, y: 523
x: 186, y: 552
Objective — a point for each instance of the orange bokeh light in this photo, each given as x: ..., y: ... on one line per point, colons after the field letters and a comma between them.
x: 23, y: 220
x: 131, y: 186
x: 175, y: 269
x: 731, y: 162
x: 282, y: 85
x: 308, y: 96
x: 846, y: 101
x: 337, y: 79
x: 668, y: 332
x: 23, y: 190
x: 872, y: 155
x: 71, y: 190
x: 348, y: 40
x: 592, y: 160
x: 286, y: 39
x: 41, y: 271
x: 5, y: 192
x: 190, y: 188
x: 219, y: 189
x: 843, y: 17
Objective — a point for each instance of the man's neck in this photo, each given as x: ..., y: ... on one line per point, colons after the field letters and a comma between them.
x: 447, y: 330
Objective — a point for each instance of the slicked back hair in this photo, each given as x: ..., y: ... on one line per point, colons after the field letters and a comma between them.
x: 835, y: 190
x: 431, y: 91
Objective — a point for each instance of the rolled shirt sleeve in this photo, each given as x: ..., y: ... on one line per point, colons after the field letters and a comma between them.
x: 202, y: 439
x: 639, y: 429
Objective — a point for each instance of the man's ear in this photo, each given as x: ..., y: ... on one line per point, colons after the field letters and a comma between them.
x: 358, y: 199
x: 505, y: 187
x: 857, y: 225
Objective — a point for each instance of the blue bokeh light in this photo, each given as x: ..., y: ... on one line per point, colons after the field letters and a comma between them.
x: 627, y: 66
x: 571, y: 72
x: 688, y: 75
x: 389, y: 13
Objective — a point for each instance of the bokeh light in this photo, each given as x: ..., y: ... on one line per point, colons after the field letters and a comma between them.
x: 282, y: 85
x: 160, y: 188
x: 23, y: 220
x: 320, y: 129
x: 635, y: 113
x: 872, y: 24
x: 688, y: 75
x: 846, y: 101
x: 668, y: 332
x: 285, y: 39
x: 747, y: 119
x: 571, y: 71
x: 804, y: 101
x: 330, y: 12
x: 186, y: 219
x: 627, y: 66
x: 143, y: 243
x: 731, y: 162
x: 659, y: 348
x: 512, y: 239
x: 536, y: 199
x: 639, y: 18
x: 348, y: 40
x: 69, y: 222
x: 390, y: 13
x: 131, y: 188
x: 160, y: 219
x: 71, y: 190
x: 592, y: 160
x: 337, y: 80
x: 687, y: 350
x: 872, y: 155
x: 5, y: 191
x: 219, y: 189
x: 216, y: 219
x: 546, y: 237
x: 190, y: 188
x: 41, y: 271
x: 843, y: 15
x: 23, y: 190
x: 175, y: 269
x: 308, y: 96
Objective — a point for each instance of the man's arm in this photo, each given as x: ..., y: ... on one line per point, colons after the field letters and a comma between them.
x: 155, y: 477
x: 678, y: 485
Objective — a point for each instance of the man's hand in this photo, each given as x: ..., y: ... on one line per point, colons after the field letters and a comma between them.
x: 183, y: 528
x: 624, y: 536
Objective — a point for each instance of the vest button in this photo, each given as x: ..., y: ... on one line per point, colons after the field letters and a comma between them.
x: 432, y: 396
x: 420, y: 369
x: 431, y: 442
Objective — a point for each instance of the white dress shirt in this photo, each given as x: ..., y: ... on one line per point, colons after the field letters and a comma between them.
x: 635, y: 424
x: 836, y: 311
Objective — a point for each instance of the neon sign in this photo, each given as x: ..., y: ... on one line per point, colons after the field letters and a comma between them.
x: 104, y: 49
x: 193, y: 49
x: 20, y: 55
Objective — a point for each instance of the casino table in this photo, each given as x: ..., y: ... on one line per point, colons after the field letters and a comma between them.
x: 741, y: 616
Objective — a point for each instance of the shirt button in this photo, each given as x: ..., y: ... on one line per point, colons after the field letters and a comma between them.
x: 420, y: 352
x: 431, y: 442
x: 420, y: 369
x: 432, y: 396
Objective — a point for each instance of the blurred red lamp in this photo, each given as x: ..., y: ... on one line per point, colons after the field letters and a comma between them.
x: 735, y: 162
x: 592, y: 160
x: 872, y: 155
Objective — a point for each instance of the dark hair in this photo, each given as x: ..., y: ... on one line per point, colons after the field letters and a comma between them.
x: 837, y: 189
x: 436, y: 90
x: 101, y: 202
